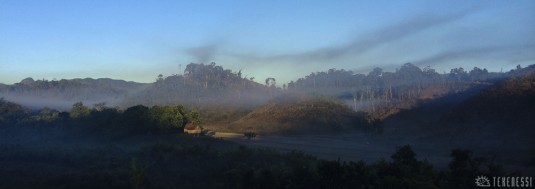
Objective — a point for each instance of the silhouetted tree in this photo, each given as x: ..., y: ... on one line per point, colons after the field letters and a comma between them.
x: 404, y: 155
x: 463, y: 169
x: 12, y: 113
x: 478, y: 74
x: 458, y: 74
x: 270, y: 82
x: 136, y: 119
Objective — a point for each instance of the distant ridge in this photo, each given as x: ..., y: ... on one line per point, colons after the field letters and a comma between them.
x: 61, y: 94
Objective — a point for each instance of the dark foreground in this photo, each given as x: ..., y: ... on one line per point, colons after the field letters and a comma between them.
x: 33, y: 158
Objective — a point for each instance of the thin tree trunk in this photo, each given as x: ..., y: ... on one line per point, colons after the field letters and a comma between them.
x: 355, y: 102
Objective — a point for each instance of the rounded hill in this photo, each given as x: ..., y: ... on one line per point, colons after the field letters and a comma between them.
x: 294, y: 113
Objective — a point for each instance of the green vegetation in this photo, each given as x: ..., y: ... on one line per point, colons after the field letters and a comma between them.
x: 383, y: 93
x: 201, y: 85
x: 78, y: 110
x: 167, y: 117
x: 105, y: 147
x: 186, y: 162
x: 11, y: 113
x: 134, y: 120
x: 51, y: 149
x: 223, y: 96
x: 137, y: 175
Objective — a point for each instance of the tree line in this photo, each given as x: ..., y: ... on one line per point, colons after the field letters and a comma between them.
x: 74, y: 89
x: 203, y: 85
x: 133, y: 120
x: 265, y: 168
x: 379, y: 90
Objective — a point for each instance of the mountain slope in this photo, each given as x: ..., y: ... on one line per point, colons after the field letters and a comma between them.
x: 201, y: 85
x: 63, y: 93
x: 302, y: 114
x: 508, y: 103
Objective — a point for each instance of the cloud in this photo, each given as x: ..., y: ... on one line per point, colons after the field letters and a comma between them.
x: 204, y: 53
x: 503, y: 52
x: 360, y: 44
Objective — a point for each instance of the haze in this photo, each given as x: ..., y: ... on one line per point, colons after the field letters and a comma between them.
x: 137, y: 41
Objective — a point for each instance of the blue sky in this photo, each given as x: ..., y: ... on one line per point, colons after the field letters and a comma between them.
x: 136, y: 41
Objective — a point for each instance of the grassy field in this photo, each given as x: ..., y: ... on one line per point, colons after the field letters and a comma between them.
x: 348, y: 147
x: 356, y: 146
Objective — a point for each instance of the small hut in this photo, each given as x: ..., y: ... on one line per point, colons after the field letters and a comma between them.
x: 192, y: 129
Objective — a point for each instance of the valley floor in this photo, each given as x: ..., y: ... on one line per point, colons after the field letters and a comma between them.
x: 356, y: 146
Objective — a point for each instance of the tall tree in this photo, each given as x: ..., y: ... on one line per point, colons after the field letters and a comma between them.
x: 78, y: 110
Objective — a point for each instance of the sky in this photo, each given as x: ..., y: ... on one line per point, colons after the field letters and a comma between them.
x: 138, y: 40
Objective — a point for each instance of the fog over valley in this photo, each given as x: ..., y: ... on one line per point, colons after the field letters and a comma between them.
x: 236, y: 94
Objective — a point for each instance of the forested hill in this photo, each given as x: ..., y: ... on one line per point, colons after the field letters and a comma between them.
x: 63, y: 93
x: 510, y: 102
x: 382, y: 93
x: 201, y: 84
x: 378, y: 92
x: 205, y: 84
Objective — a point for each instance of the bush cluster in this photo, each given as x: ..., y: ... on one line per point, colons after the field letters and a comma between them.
x: 134, y: 120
